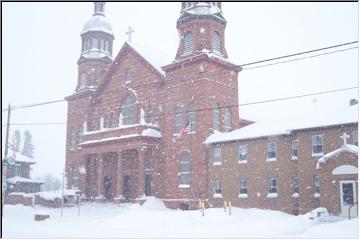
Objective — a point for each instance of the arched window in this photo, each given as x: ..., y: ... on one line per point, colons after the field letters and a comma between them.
x: 216, y: 43
x: 227, y: 118
x: 128, y: 75
x: 188, y: 43
x: 216, y: 117
x: 178, y: 119
x: 192, y: 118
x: 83, y: 79
x: 127, y: 112
x: 184, y: 169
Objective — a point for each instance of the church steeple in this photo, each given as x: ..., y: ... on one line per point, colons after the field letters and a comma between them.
x: 201, y: 27
x: 96, y: 50
x: 97, y: 36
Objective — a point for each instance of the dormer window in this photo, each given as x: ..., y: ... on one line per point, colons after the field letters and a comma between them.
x: 216, y: 43
x: 188, y: 43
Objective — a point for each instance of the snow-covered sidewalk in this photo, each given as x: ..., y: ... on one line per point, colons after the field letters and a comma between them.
x: 153, y: 220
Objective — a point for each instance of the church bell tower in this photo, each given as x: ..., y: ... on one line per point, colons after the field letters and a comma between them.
x: 201, y: 27
x: 96, y: 49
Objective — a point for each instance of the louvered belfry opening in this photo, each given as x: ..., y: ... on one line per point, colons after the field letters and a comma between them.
x: 188, y: 43
x: 216, y: 43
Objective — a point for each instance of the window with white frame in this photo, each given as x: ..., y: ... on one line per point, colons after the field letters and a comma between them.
x: 317, y: 186
x: 317, y: 145
x: 227, y: 118
x: 178, y: 119
x: 271, y: 151
x: 272, y: 185
x: 192, y: 118
x: 216, y: 117
x: 243, y: 153
x: 128, y: 111
x: 294, y: 148
x: 217, y: 155
x: 188, y: 43
x: 243, y: 186
x: 295, y: 184
x: 216, y: 43
x: 184, y: 169
x: 355, y: 138
x: 218, y: 187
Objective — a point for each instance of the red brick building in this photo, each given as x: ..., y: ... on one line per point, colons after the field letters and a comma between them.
x: 126, y: 113
x: 126, y: 116
x: 293, y: 165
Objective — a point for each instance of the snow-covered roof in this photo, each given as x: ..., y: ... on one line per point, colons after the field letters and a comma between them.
x: 109, y: 139
x: 293, y: 118
x: 202, y: 8
x: 151, y: 133
x: 156, y: 58
x: 95, y: 54
x: 17, y: 179
x: 344, y: 148
x: 22, y: 158
x: 98, y: 23
x: 52, y: 195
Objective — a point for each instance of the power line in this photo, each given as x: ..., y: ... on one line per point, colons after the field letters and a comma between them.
x: 222, y: 107
x: 297, y: 54
x: 213, y: 71
x: 297, y: 59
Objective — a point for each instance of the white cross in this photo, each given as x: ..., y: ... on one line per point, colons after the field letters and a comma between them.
x: 314, y: 101
x: 129, y: 32
x: 344, y: 137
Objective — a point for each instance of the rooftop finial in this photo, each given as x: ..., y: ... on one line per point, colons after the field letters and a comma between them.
x: 99, y: 8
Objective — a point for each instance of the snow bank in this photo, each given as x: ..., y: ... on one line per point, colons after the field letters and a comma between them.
x: 52, y: 195
x: 153, y: 203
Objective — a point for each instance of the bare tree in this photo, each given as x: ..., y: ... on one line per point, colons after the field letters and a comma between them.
x: 52, y: 183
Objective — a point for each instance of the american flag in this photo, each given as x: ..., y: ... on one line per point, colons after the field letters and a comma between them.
x: 185, y: 129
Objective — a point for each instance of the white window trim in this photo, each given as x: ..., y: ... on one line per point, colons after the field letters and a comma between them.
x: 243, y: 195
x: 217, y: 163
x: 294, y: 158
x: 312, y: 146
x: 184, y: 186
x: 316, y: 195
x: 272, y: 195
x: 242, y: 161
x: 218, y: 195
x: 271, y: 160
x: 295, y: 195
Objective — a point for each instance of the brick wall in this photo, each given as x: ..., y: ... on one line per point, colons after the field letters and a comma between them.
x: 257, y: 170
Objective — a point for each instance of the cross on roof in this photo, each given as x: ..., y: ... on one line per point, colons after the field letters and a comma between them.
x: 129, y: 32
x: 344, y: 137
x: 314, y: 101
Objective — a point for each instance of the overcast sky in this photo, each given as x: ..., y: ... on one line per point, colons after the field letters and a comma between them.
x: 41, y: 45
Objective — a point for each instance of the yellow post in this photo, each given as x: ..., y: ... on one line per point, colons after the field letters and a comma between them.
x: 203, y: 205
x: 200, y: 204
x: 225, y: 205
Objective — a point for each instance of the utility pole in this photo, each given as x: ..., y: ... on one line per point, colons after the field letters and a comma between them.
x: 62, y: 193
x: 4, y: 161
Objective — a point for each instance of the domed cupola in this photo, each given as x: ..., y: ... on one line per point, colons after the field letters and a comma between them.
x: 190, y: 10
x: 201, y: 27
x: 97, y: 37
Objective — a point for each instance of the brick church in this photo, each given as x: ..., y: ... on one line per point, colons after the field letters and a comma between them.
x: 142, y: 125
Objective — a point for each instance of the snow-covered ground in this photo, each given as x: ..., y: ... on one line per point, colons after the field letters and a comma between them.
x: 153, y: 220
